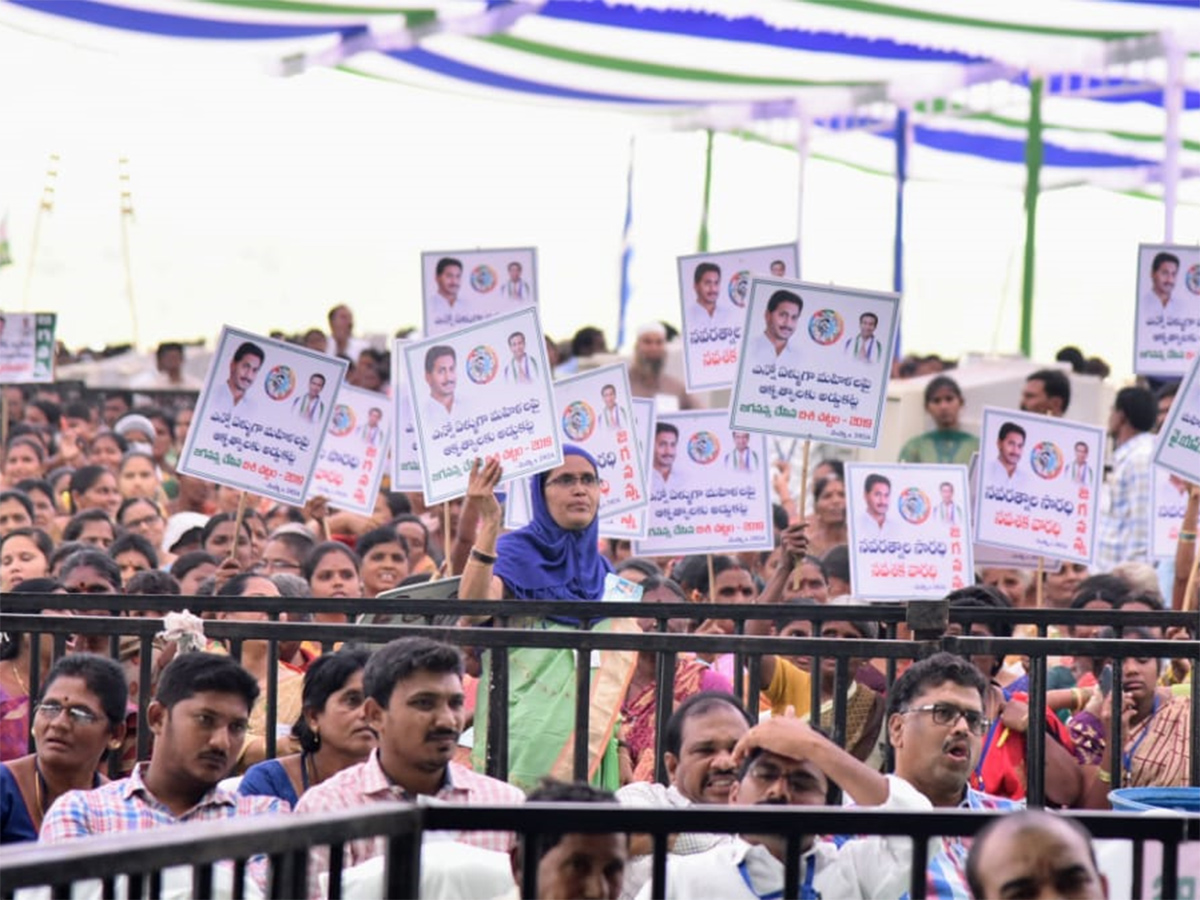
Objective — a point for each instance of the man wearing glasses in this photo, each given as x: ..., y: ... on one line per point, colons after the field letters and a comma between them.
x: 936, y: 725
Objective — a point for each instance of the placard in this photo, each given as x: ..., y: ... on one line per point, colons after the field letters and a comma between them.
x: 1178, y: 446
x: 709, y: 487
x: 910, y: 537
x: 464, y: 287
x: 261, y: 415
x: 1039, y: 484
x: 482, y: 392
x: 1169, y: 500
x: 815, y: 362
x: 631, y: 524
x: 713, y: 290
x: 27, y: 348
x: 351, y: 457
x: 1166, y: 327
x: 989, y: 557
x: 405, y: 458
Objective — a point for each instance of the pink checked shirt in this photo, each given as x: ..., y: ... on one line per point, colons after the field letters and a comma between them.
x: 366, y: 783
x: 127, y: 805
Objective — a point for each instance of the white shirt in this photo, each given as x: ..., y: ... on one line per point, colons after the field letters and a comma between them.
x: 444, y: 317
x: 723, y: 872
x: 724, y: 315
x: 434, y: 415
x: 354, y: 347
x: 997, y: 476
x: 649, y: 794
x: 760, y: 350
x: 223, y: 399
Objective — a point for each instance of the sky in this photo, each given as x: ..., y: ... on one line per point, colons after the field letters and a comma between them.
x: 261, y: 202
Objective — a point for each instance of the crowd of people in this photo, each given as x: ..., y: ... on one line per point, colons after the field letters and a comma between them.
x: 91, y: 504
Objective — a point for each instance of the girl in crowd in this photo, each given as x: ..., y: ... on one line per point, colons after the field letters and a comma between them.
x: 138, y: 477
x: 332, y: 730
x: 332, y: 570
x: 947, y: 443
x: 94, y: 487
x: 133, y: 553
x: 24, y: 458
x: 24, y: 554
x: 78, y: 721
x: 106, y: 449
x: 638, y: 709
x: 140, y: 516
x: 92, y: 527
x: 1155, y: 730
x: 827, y: 522
x: 384, y: 560
x: 555, y: 556
x: 41, y: 494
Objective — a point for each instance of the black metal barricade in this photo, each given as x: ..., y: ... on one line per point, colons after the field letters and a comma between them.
x: 927, y: 620
x: 287, y: 840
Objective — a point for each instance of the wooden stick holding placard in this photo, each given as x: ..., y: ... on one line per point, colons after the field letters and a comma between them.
x: 237, y: 524
x: 3, y: 418
x: 802, y: 506
x: 1041, y: 577
x: 1189, y: 592
x: 449, y: 563
x: 712, y: 580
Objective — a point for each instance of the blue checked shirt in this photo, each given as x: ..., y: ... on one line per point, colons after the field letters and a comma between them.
x: 877, y: 867
x: 1123, y: 533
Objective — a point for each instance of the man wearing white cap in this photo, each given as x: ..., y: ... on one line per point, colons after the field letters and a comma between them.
x: 646, y: 375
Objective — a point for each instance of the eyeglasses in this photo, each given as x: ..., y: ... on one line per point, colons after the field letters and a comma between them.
x: 797, y: 780
x: 588, y: 480
x: 948, y: 714
x: 79, y: 715
x: 276, y: 565
x: 143, y: 522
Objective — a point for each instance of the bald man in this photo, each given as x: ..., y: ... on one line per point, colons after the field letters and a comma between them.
x: 1035, y: 854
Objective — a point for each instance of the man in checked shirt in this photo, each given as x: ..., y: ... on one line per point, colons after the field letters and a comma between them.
x: 415, y: 704
x: 199, y: 718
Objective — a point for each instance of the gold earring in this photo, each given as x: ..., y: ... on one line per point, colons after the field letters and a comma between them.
x: 113, y: 745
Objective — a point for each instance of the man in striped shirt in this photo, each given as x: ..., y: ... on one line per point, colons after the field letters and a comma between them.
x: 199, y: 718
x: 415, y: 704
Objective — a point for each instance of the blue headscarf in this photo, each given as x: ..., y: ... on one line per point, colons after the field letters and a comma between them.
x: 544, y: 561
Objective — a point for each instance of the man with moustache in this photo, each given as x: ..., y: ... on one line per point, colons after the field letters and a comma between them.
x: 772, y: 346
x: 415, y: 704
x: 199, y: 717
x: 442, y: 378
x: 231, y: 394
x: 781, y: 762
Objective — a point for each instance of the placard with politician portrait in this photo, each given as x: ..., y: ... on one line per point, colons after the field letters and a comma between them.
x: 1039, y: 484
x: 260, y: 418
x: 814, y: 362
x: 464, y: 287
x: 709, y: 487
x: 713, y: 291
x: 480, y: 392
x: 909, y: 532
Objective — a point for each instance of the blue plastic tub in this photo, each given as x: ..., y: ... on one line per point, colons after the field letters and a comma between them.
x: 1178, y: 799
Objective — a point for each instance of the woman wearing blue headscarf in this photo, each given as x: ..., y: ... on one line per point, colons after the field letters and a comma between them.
x: 555, y: 557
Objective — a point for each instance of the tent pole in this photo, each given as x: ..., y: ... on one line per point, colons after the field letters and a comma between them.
x: 902, y: 147
x: 1034, y: 151
x: 802, y: 137
x: 1173, y: 107
x: 702, y: 241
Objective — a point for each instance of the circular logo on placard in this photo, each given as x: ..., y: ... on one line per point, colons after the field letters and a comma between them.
x: 826, y: 326
x: 703, y: 447
x: 1192, y: 278
x: 280, y: 382
x: 914, y: 505
x: 342, y: 421
x: 483, y: 278
x: 739, y: 286
x: 482, y: 364
x: 1046, y: 459
x: 579, y: 420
